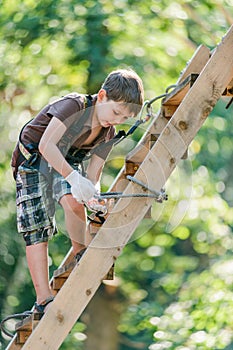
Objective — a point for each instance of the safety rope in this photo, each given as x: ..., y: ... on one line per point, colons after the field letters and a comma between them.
x: 158, y: 196
x: 148, y: 103
x: 17, y: 316
x: 149, y: 113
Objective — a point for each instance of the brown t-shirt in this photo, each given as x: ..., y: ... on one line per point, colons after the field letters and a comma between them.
x: 69, y: 109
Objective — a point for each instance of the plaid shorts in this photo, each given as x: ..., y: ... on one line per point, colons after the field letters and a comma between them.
x: 35, y: 200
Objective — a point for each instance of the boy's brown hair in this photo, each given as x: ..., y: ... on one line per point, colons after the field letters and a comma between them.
x: 126, y: 86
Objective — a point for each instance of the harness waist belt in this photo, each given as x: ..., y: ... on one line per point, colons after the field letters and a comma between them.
x: 24, y: 151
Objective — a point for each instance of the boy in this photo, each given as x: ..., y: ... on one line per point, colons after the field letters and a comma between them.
x: 45, y: 166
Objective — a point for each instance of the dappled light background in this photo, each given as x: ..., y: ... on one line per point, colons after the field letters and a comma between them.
x: 174, y: 285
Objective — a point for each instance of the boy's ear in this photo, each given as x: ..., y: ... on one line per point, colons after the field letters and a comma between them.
x: 102, y: 94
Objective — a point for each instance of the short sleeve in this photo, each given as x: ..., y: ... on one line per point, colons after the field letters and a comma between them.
x: 64, y: 108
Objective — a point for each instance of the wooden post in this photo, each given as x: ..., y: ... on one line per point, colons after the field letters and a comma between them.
x: 126, y: 215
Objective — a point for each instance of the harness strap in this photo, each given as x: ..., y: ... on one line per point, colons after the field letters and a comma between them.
x: 24, y: 150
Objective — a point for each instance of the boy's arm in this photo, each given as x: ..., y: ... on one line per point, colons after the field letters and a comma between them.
x: 49, y: 150
x: 94, y: 169
x: 82, y: 189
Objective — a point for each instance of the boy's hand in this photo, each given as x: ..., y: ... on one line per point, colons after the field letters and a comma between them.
x: 97, y: 205
x: 82, y: 189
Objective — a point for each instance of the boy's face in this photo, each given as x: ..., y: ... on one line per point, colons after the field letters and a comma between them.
x: 109, y: 112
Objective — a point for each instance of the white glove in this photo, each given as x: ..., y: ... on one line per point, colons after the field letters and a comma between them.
x: 82, y: 189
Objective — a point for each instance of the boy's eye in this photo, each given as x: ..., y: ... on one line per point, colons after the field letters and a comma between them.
x: 115, y: 112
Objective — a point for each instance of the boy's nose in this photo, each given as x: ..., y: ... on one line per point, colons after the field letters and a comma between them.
x: 119, y: 121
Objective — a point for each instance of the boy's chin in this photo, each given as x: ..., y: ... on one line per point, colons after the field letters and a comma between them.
x: 106, y: 124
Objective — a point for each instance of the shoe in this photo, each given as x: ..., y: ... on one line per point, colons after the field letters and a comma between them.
x: 40, y: 308
x: 79, y: 255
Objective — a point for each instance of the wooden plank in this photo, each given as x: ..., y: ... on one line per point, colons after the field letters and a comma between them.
x: 126, y: 215
x: 22, y: 336
x: 229, y: 89
x: 58, y: 282
x: 25, y: 327
x: 173, y: 99
x: 28, y: 323
x: 230, y: 85
x: 25, y: 324
x: 64, y: 270
x: 178, y: 93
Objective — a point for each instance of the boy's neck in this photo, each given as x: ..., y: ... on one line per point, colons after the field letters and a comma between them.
x: 94, y: 122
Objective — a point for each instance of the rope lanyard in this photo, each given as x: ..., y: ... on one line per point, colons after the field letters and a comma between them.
x: 21, y: 316
x: 158, y: 196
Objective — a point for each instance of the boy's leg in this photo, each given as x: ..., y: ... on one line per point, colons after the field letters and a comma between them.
x: 37, y: 259
x: 35, y: 208
x: 75, y: 218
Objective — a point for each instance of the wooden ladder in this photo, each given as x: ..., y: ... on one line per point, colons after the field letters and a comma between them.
x: 205, y: 79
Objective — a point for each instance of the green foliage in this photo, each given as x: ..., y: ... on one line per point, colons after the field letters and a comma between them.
x: 176, y: 272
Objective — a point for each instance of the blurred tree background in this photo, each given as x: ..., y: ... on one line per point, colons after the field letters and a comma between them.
x: 174, y: 285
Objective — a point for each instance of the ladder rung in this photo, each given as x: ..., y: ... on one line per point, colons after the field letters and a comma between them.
x: 110, y: 275
x: 177, y: 94
x: 65, y: 270
x: 28, y: 322
x: 58, y: 282
x: 25, y: 327
x: 22, y: 336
